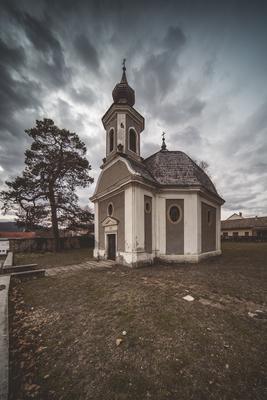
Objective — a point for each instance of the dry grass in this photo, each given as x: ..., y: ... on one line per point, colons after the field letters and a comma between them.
x: 51, y: 259
x: 64, y: 330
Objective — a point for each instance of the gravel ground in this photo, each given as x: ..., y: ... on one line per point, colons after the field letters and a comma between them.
x: 129, y: 334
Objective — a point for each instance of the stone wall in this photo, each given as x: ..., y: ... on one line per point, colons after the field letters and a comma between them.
x: 47, y: 244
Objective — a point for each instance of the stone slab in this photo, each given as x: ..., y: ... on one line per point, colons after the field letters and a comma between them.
x: 36, y: 273
x: 9, y: 259
x: 19, y: 268
x: 4, y: 336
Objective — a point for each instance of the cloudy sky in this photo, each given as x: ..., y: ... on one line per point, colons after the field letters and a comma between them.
x: 198, y: 68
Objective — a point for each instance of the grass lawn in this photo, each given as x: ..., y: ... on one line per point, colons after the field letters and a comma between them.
x: 51, y: 259
x: 63, y: 332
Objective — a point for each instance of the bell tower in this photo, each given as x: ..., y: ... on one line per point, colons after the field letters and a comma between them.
x: 122, y: 123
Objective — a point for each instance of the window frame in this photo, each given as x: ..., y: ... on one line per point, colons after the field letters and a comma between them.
x: 180, y: 213
x: 111, y: 130
x: 150, y: 207
x: 110, y: 204
x: 136, y: 140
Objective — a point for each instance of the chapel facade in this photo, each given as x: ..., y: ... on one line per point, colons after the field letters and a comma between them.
x: 162, y: 208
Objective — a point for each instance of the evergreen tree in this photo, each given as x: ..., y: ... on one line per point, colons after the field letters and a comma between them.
x: 45, y: 191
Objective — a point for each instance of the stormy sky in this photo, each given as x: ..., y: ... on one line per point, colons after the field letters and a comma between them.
x: 198, y: 68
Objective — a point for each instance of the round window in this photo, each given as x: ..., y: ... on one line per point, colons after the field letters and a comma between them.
x: 148, y: 207
x: 174, y: 214
x: 110, y: 209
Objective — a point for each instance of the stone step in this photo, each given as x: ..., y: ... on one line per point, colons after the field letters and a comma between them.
x: 19, y: 268
x: 9, y: 259
x: 35, y: 273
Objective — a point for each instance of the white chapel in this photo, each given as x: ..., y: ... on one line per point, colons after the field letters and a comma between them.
x: 163, y: 208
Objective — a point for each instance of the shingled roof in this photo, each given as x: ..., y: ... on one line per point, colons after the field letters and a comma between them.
x: 141, y: 169
x: 176, y: 168
x: 255, y: 222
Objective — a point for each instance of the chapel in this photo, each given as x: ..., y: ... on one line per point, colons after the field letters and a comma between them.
x: 163, y: 208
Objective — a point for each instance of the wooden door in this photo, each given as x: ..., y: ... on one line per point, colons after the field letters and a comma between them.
x: 111, y: 246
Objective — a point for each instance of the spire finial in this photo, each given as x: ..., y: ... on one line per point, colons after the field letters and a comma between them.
x: 163, y: 146
x: 123, y: 78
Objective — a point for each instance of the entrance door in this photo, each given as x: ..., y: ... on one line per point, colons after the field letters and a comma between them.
x: 111, y: 246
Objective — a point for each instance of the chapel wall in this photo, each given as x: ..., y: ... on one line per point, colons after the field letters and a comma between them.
x: 148, y: 204
x: 174, y: 231
x: 208, y: 228
x: 118, y: 202
x: 112, y: 176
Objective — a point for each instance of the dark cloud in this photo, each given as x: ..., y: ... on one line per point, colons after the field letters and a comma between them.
x: 174, y: 39
x: 51, y: 62
x: 84, y: 95
x: 15, y: 94
x: 190, y: 136
x: 183, y: 111
x: 86, y: 52
x: 156, y: 76
x: 198, y: 72
x: 11, y: 57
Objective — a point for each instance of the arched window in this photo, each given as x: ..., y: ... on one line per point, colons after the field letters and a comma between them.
x: 132, y: 140
x: 111, y: 140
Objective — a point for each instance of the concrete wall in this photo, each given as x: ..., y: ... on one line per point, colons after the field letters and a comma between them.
x: 118, y: 202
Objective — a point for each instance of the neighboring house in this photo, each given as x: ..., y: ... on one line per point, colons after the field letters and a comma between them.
x: 162, y: 207
x: 236, y: 227
x: 17, y: 235
x: 78, y: 232
x: 10, y: 230
x: 235, y: 216
x: 10, y: 226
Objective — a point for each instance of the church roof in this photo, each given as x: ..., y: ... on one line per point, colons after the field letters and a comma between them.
x: 141, y: 169
x: 176, y: 168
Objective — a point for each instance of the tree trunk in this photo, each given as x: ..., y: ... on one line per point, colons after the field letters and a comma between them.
x: 54, y: 218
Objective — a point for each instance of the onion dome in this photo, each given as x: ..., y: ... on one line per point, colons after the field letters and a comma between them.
x: 123, y: 93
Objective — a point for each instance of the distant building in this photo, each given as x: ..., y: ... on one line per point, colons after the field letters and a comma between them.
x: 17, y: 235
x: 236, y: 225
x: 163, y: 207
x: 10, y: 226
x: 235, y: 216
